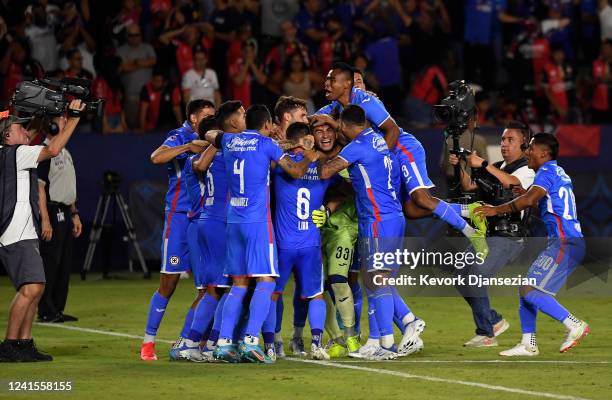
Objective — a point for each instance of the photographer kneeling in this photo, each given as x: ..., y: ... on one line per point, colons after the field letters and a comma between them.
x: 495, y: 183
x: 19, y: 228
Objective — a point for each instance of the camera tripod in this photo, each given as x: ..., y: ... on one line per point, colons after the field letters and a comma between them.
x: 111, y: 193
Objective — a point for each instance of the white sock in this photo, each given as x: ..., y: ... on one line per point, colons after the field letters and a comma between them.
x: 278, y: 337
x: 529, y: 339
x: 465, y: 211
x: 298, y: 332
x: 190, y: 343
x: 251, y: 340
x: 408, y: 318
x: 571, y: 322
x: 373, y: 342
x: 468, y: 230
x: 149, y: 338
x: 387, y: 341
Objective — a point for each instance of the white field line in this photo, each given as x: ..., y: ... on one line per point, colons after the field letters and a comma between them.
x: 360, y: 368
x: 478, y: 362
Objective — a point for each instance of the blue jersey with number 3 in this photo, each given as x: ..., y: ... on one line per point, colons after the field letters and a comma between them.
x: 247, y: 157
x: 558, y: 207
x: 371, y: 172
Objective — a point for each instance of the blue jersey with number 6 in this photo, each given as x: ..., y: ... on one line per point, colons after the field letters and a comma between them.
x: 558, y: 207
x: 247, y: 157
x: 216, y: 194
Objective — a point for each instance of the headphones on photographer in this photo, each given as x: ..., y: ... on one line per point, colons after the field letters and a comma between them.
x: 527, y: 138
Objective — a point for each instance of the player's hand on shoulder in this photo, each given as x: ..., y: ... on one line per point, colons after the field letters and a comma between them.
x: 211, y: 135
x: 196, y: 147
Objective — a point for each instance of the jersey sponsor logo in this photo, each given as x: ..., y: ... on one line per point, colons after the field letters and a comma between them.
x: 240, y: 144
x: 175, y: 260
x: 239, y: 201
x: 379, y: 144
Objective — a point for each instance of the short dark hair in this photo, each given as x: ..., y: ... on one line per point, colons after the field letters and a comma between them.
x: 226, y: 110
x: 287, y: 104
x: 208, y: 123
x: 548, y: 140
x: 344, y: 68
x: 198, y: 48
x: 297, y: 130
x: 196, y: 105
x: 354, y: 115
x: 519, y: 126
x: 256, y: 116
x: 72, y: 52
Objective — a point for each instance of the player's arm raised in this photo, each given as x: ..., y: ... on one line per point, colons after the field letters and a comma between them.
x: 529, y: 199
x: 330, y: 168
x: 297, y: 169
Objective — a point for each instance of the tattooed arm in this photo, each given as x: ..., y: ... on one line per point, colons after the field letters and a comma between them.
x: 297, y: 169
x: 332, y: 167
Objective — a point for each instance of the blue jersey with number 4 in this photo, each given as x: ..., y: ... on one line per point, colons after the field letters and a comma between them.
x: 295, y: 201
x: 558, y: 207
x: 371, y: 172
x: 247, y: 157
x: 216, y: 194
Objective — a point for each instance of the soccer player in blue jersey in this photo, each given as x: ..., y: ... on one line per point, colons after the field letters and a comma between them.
x: 381, y: 221
x: 552, y: 192
x: 175, y: 254
x: 298, y: 239
x: 251, y: 247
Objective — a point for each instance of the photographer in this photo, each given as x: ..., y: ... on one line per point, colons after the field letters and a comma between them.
x: 60, y: 223
x: 19, y: 227
x: 489, y: 180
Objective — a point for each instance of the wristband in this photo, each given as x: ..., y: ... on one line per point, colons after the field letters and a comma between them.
x: 484, y: 164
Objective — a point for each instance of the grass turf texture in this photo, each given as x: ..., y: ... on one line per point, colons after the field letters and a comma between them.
x: 101, y: 366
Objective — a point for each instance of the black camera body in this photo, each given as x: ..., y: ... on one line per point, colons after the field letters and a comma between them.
x: 456, y: 109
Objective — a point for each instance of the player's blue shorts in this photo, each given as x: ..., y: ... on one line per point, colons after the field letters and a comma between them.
x: 413, y: 167
x: 206, y: 239
x: 307, y: 265
x: 378, y: 238
x: 251, y: 250
x: 175, y: 250
x: 195, y: 252
x: 556, y: 263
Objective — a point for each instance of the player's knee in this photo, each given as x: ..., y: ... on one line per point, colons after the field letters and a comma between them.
x: 423, y: 199
x: 332, y: 279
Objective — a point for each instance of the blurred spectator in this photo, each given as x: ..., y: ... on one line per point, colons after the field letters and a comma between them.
x: 483, y: 105
x: 354, y: 14
x: 384, y: 58
x: 183, y: 41
x: 107, y: 85
x: 160, y: 103
x: 201, y: 82
x: 602, y: 76
x: 335, y: 46
x: 244, y: 34
x: 129, y: 15
x: 72, y: 34
x: 137, y: 60
x: 429, y: 87
x: 605, y: 19
x: 428, y: 36
x: 277, y: 57
x: 300, y: 82
x: 361, y: 62
x: 558, y: 83
x: 16, y: 66
x: 225, y: 20
x: 274, y: 13
x: 42, y: 39
x: 242, y: 73
x: 310, y: 25
x: 75, y: 66
x: 528, y: 53
x: 556, y: 27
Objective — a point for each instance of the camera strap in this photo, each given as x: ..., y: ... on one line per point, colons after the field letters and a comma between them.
x: 510, y: 168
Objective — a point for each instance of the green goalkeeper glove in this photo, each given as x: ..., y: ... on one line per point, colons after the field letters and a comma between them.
x: 320, y: 216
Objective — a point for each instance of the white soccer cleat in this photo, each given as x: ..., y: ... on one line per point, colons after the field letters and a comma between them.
x: 416, y: 347
x: 271, y: 353
x: 297, y: 347
x: 481, y: 341
x: 521, y: 350
x: 574, y: 336
x: 382, y: 354
x: 192, y: 354
x: 318, y: 353
x: 500, y: 327
x: 365, y: 351
x: 411, y: 334
x: 207, y: 356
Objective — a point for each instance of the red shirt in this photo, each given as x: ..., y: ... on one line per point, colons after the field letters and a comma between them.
x: 601, y: 101
x: 184, y: 56
x: 541, y: 54
x: 155, y: 98
x: 100, y: 89
x: 430, y: 86
x: 554, y: 78
x: 243, y: 91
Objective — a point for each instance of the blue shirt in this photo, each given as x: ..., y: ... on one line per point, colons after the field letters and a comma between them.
x: 177, y: 199
x: 558, y: 207
x: 216, y: 196
x: 375, y: 110
x: 195, y: 187
x: 247, y: 158
x: 372, y: 177
x: 295, y: 201
x: 480, y: 20
x: 384, y: 54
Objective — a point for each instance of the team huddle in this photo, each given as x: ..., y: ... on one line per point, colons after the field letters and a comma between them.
x: 254, y: 199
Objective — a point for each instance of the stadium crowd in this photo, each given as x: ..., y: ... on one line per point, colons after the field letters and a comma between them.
x: 541, y: 60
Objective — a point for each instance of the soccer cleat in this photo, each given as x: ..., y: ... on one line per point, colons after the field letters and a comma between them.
x: 176, y: 349
x: 318, y: 353
x: 521, y: 350
x: 227, y: 353
x: 411, y: 334
x: 481, y: 341
x: 297, y: 347
x: 353, y: 344
x: 147, y: 352
x: 500, y: 327
x: 479, y: 242
x: 383, y: 354
x: 574, y: 336
x: 270, y: 352
x: 279, y: 350
x: 252, y: 353
x: 365, y: 351
x: 478, y: 221
x: 193, y: 354
x: 336, y: 350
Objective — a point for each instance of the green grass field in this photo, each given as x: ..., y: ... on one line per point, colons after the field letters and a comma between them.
x: 101, y: 366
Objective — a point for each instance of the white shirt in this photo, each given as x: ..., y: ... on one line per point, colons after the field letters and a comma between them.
x: 61, y: 177
x: 21, y: 226
x: 524, y: 174
x: 201, y: 87
x: 605, y: 21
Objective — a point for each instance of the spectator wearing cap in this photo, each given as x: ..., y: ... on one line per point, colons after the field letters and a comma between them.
x: 75, y: 66
x: 200, y: 82
x: 160, y: 103
x: 137, y: 60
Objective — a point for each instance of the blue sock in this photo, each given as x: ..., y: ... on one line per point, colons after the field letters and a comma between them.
x: 203, y: 316
x: 269, y: 325
x: 300, y: 310
x: 528, y: 314
x: 383, y: 298
x: 358, y: 300
x: 373, y: 325
x: 157, y: 307
x: 447, y: 214
x: 187, y: 323
x: 400, y: 309
x: 219, y: 315
x: 231, y: 312
x: 547, y: 304
x: 316, y: 318
x: 280, y: 309
x: 259, y: 307
x: 455, y: 207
